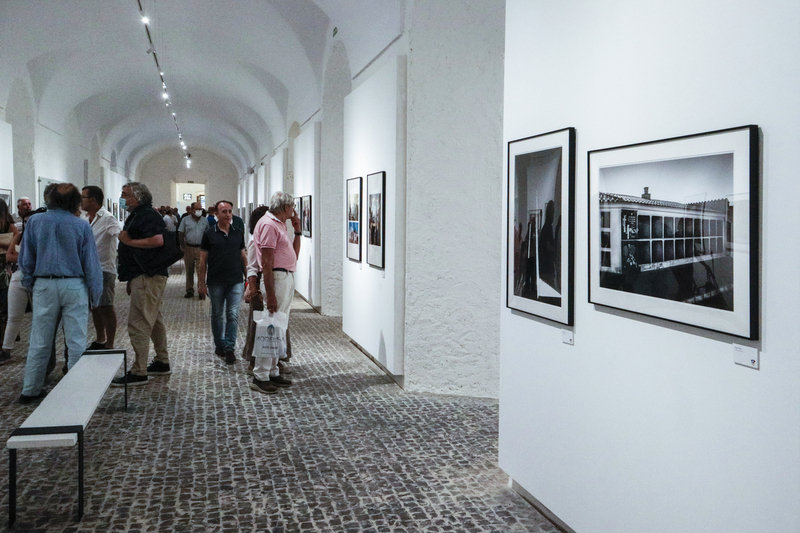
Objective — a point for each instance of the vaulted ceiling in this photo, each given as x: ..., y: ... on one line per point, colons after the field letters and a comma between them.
x: 238, y: 72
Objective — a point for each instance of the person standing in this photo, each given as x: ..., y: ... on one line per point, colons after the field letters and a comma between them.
x: 277, y: 262
x: 105, y: 229
x: 140, y: 238
x: 190, y: 234
x: 24, y: 208
x: 59, y: 263
x: 223, y: 258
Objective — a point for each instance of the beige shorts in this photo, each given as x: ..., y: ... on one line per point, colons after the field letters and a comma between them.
x: 109, y: 282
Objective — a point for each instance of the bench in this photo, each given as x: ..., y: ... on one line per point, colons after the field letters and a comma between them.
x: 62, y: 416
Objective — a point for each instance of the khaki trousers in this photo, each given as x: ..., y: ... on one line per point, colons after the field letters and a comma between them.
x: 191, y: 256
x: 145, y: 321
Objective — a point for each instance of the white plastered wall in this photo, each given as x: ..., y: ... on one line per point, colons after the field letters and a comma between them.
x: 276, y: 163
x: 7, y: 162
x: 373, y: 299
x: 644, y: 425
x: 306, y: 183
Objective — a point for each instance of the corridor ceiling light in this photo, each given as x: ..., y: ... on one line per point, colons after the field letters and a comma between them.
x: 165, y: 95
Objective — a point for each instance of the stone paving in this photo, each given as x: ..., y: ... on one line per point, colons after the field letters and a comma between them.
x: 344, y: 450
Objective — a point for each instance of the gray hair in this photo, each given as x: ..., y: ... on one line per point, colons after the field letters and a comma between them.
x: 21, y: 199
x: 140, y: 191
x: 279, y: 201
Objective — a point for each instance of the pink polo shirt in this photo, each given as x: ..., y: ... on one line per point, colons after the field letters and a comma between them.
x: 271, y: 233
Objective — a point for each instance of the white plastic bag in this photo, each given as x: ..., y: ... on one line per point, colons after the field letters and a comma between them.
x: 270, y: 338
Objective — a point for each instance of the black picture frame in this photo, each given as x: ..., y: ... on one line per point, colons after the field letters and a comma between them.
x: 306, y: 220
x: 673, y: 229
x: 376, y: 219
x: 541, y: 225
x: 352, y: 219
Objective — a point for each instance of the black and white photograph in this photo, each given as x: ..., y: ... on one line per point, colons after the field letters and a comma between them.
x: 376, y: 221
x: 5, y: 195
x: 541, y: 203
x: 354, y: 219
x: 305, y: 221
x: 298, y: 208
x: 674, y: 232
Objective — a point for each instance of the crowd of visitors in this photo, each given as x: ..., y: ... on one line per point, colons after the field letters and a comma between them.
x: 63, y: 261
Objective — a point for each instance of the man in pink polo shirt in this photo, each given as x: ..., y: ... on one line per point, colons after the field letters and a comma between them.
x: 277, y: 260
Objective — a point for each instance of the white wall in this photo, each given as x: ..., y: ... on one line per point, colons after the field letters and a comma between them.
x: 112, y: 186
x: 276, y: 165
x: 306, y: 182
x: 373, y: 299
x: 7, y: 162
x: 646, y: 426
x: 455, y: 112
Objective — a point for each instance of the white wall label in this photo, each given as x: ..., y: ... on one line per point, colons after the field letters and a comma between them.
x: 567, y: 338
x: 745, y: 356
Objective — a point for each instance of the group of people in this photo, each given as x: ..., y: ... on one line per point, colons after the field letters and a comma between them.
x: 69, y: 256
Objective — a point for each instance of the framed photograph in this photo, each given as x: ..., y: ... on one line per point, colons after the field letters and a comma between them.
x: 298, y: 208
x: 115, y: 212
x: 305, y: 221
x: 376, y: 219
x: 108, y: 204
x: 187, y: 196
x: 541, y: 218
x: 353, y: 219
x: 673, y: 229
x: 5, y: 195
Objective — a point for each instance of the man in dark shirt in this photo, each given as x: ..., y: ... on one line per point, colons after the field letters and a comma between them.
x: 140, y: 239
x: 223, y: 257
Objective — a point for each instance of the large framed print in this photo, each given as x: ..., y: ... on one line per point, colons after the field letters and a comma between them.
x: 353, y: 220
x: 673, y: 229
x: 541, y: 214
x: 376, y: 219
x: 298, y: 208
x: 305, y: 221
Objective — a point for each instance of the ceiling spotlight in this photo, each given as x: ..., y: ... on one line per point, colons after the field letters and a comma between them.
x: 151, y: 50
x: 145, y: 20
x: 167, y: 102
x: 161, y: 73
x: 164, y: 95
x: 173, y: 113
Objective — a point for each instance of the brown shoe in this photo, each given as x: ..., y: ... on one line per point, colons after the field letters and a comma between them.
x: 280, y: 381
x: 263, y: 386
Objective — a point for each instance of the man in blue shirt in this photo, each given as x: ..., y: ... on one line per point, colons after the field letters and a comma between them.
x: 59, y: 262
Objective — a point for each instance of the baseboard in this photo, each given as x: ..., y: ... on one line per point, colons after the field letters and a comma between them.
x: 539, y: 506
x: 397, y: 379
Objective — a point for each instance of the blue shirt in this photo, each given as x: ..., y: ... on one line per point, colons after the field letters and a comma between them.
x: 57, y: 243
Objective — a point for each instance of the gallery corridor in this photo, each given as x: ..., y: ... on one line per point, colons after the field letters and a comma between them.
x: 344, y: 450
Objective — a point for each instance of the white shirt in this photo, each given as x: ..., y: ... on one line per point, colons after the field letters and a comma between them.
x: 169, y: 222
x: 106, y: 234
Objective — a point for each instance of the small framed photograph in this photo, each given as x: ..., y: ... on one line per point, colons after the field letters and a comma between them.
x: 541, y: 215
x: 673, y: 229
x: 353, y: 219
x: 5, y: 195
x: 298, y: 208
x: 376, y: 219
x: 108, y: 204
x: 115, y: 212
x: 187, y: 196
x: 305, y: 222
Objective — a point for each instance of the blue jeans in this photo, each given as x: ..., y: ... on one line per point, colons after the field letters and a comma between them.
x: 225, y: 314
x: 69, y: 297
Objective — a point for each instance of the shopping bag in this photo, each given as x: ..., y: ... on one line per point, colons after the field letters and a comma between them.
x: 270, y: 338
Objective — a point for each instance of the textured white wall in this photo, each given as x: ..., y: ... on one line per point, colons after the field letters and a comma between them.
x: 336, y: 85
x: 7, y: 162
x: 306, y: 182
x: 373, y: 300
x: 455, y: 94
x: 644, y: 425
x: 276, y: 173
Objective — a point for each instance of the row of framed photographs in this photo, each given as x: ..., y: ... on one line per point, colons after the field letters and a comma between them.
x: 672, y: 231
x: 376, y: 219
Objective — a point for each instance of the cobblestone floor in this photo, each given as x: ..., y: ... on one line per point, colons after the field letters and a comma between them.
x: 344, y: 450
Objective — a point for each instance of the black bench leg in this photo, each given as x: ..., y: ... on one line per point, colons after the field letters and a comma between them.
x: 80, y: 474
x: 12, y: 486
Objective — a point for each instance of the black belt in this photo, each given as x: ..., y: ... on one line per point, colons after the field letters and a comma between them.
x: 57, y: 277
x: 280, y: 270
x: 193, y: 245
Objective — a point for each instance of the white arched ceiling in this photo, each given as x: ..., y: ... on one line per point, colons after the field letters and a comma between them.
x: 238, y: 72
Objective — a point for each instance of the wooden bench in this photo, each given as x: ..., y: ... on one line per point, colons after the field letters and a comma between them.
x: 62, y: 417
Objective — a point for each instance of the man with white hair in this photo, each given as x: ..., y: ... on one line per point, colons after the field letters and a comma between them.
x: 23, y: 208
x: 277, y: 260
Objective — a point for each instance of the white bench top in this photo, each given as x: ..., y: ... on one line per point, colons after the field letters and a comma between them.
x: 71, y: 403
